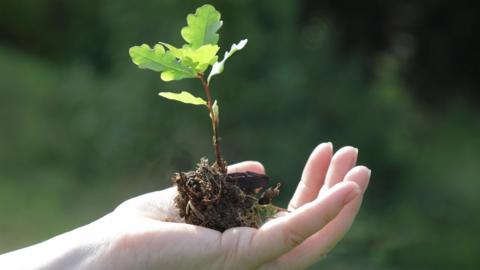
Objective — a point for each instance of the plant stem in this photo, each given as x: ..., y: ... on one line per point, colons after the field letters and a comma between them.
x: 214, y: 118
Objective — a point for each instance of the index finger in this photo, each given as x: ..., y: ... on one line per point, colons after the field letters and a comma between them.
x: 283, y: 234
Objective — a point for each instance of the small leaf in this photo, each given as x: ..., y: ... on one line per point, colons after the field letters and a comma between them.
x: 157, y: 59
x: 202, y: 27
x: 184, y: 97
x: 215, y: 110
x: 217, y: 68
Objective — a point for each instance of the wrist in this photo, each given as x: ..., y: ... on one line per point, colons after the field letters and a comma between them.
x: 75, y: 249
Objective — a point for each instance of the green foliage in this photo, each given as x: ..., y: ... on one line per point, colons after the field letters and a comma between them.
x: 191, y: 61
x: 198, y: 59
x: 202, y: 27
x: 193, y: 58
x: 217, y: 68
x: 184, y: 97
x: 157, y: 59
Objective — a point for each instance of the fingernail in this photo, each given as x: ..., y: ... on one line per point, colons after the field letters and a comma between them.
x: 326, y: 144
x: 330, y: 145
x: 352, y: 194
x: 354, y: 157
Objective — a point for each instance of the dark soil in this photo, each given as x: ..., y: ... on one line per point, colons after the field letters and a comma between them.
x: 211, y: 198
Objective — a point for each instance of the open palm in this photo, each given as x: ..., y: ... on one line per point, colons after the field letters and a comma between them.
x: 327, y: 199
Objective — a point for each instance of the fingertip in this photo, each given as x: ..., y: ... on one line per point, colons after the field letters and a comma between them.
x: 257, y: 167
x: 341, y: 194
x: 313, y: 175
x: 323, y: 152
x: 360, y: 175
x: 348, y: 150
x: 328, y: 145
x: 250, y: 165
x: 347, y: 155
x: 353, y: 193
x: 324, y: 147
x: 342, y: 161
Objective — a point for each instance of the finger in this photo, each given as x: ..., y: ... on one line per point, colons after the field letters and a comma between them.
x: 360, y: 175
x: 343, y: 160
x: 313, y: 176
x: 251, y: 166
x: 283, y: 234
x: 319, y: 244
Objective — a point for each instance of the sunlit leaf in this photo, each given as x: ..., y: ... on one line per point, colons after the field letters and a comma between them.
x: 202, y: 27
x: 218, y: 67
x: 203, y: 56
x: 177, y: 52
x: 157, y: 59
x: 197, y: 59
x: 184, y: 97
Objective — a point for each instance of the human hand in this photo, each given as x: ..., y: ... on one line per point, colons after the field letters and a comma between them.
x: 140, y: 233
x: 322, y: 209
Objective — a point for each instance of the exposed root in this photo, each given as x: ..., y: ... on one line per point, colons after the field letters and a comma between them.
x: 208, y: 197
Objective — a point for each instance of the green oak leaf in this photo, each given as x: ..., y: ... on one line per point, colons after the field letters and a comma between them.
x: 184, y: 97
x: 157, y: 59
x: 198, y: 59
x: 218, y: 67
x: 177, y: 52
x: 203, y: 57
x: 202, y: 27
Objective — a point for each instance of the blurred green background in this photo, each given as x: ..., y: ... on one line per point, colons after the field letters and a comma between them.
x: 82, y: 129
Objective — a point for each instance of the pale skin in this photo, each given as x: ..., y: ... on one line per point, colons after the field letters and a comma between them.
x: 140, y: 234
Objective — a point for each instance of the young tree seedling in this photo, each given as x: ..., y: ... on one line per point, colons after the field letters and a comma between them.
x: 231, y: 194
x: 191, y: 61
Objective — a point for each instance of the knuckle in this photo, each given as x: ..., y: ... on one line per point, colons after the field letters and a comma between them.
x: 326, y: 217
x: 306, y: 186
x: 230, y: 244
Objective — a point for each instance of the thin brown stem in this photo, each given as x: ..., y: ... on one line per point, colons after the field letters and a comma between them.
x: 214, y: 118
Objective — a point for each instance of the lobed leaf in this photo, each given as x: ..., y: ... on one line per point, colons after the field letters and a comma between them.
x: 177, y: 52
x: 202, y: 57
x: 157, y: 59
x: 184, y: 97
x: 218, y: 67
x: 202, y: 27
x: 197, y: 59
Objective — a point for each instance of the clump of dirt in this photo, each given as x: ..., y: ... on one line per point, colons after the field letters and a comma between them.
x: 211, y: 198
